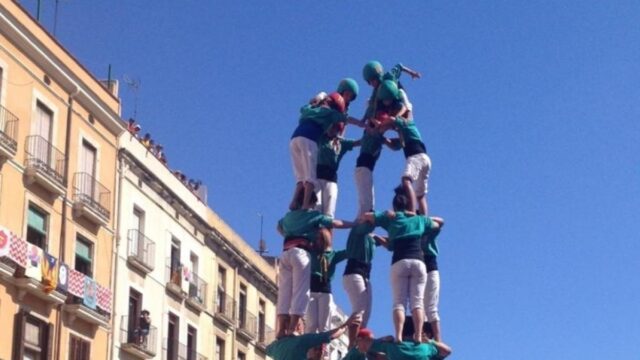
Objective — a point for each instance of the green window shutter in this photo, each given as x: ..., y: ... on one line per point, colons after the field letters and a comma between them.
x: 37, y: 221
x: 83, y: 250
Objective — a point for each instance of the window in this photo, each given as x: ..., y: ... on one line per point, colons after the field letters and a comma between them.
x: 172, y: 337
x: 176, y: 264
x: 32, y: 337
x: 37, y: 227
x: 42, y: 123
x: 241, y: 356
x: 88, y: 159
x: 242, y: 310
x: 261, y: 321
x: 84, y: 256
x: 79, y: 349
x: 135, y: 308
x: 192, y: 343
x: 219, y: 349
x: 136, y: 241
x: 220, y: 295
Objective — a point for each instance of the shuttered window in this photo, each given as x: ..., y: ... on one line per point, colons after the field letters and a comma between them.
x: 37, y: 227
x: 79, y: 349
x: 32, y: 337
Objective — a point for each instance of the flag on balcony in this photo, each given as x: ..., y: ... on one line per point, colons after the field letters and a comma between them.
x: 90, y: 293
x: 5, y: 241
x: 18, y: 250
x: 186, y: 278
x: 49, y: 273
x: 63, y: 277
x: 104, y: 298
x: 76, y: 283
x: 34, y: 262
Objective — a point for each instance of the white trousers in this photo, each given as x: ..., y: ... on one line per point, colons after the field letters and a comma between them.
x: 319, y: 312
x: 293, y: 282
x: 417, y: 168
x: 408, y: 280
x: 304, y: 157
x: 328, y: 197
x: 364, y: 186
x: 432, y: 296
x: 359, y: 291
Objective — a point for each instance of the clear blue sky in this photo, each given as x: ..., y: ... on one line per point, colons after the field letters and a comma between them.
x: 531, y: 115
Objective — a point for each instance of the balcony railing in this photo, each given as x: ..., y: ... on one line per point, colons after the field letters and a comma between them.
x: 88, y: 191
x: 247, y: 323
x: 141, y: 249
x: 225, y: 307
x: 8, y: 130
x: 174, y: 277
x: 45, y: 158
x: 174, y: 350
x: 134, y: 338
x: 197, y: 289
x: 266, y: 335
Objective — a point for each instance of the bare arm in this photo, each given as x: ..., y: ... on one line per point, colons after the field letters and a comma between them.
x: 381, y: 240
x: 393, y: 144
x: 343, y: 224
x: 443, y: 349
x: 367, y: 217
x: 355, y: 318
x: 356, y: 122
x: 414, y: 74
x: 438, y: 220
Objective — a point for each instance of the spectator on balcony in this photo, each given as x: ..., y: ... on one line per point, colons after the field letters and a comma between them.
x: 133, y: 127
x: 146, y: 140
x: 143, y: 328
x: 158, y: 152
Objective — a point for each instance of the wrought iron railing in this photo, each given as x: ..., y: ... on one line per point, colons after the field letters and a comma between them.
x: 90, y: 192
x: 248, y: 322
x: 8, y: 129
x: 174, y: 350
x: 44, y: 157
x: 197, y: 288
x: 224, y: 305
x: 266, y: 335
x: 141, y: 247
x: 132, y: 333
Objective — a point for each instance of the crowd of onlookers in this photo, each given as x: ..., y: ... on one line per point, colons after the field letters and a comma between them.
x: 158, y: 151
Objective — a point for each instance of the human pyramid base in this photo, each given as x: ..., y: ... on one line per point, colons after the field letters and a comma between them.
x: 308, y: 261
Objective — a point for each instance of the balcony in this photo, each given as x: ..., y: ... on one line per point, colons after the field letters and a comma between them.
x: 44, y: 164
x: 197, y: 293
x: 137, y: 342
x: 91, y: 199
x: 247, y: 325
x: 174, y: 279
x: 30, y: 287
x: 224, y: 308
x: 8, y: 133
x: 141, y: 251
x: 266, y: 335
x: 177, y: 351
x: 77, y: 310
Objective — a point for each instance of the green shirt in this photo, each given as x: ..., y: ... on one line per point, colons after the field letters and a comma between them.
x: 394, y: 73
x: 296, y: 347
x: 354, y: 354
x: 402, y: 226
x: 322, y: 116
x: 407, y: 129
x: 330, y: 152
x: 429, y: 242
x: 333, y: 259
x: 361, y: 245
x: 406, y: 350
x: 304, y: 223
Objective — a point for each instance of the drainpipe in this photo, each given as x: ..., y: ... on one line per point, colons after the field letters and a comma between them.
x: 63, y: 225
x: 114, y: 254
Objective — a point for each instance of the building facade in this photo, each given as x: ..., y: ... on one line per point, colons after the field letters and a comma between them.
x: 58, y: 148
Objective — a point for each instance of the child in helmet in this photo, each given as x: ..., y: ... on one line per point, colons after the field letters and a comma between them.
x: 314, y: 121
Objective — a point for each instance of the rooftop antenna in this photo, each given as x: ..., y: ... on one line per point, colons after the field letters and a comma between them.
x: 262, y: 245
x: 134, y: 86
x: 55, y: 17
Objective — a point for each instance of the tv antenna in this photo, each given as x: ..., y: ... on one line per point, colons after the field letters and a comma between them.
x: 55, y: 15
x: 134, y: 86
x: 262, y: 245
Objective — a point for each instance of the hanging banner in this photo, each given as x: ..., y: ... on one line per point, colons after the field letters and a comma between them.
x: 18, y: 251
x: 5, y: 241
x: 34, y: 262
x: 76, y: 283
x: 63, y: 277
x: 90, y: 293
x: 49, y: 273
x: 104, y: 298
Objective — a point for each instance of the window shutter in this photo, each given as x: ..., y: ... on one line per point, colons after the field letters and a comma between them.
x: 18, y: 335
x: 48, y: 346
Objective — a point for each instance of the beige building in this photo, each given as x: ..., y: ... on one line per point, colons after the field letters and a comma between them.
x: 58, y: 148
x: 207, y: 293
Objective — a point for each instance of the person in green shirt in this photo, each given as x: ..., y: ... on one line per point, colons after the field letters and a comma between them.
x: 408, y: 271
x: 300, y: 230
x: 407, y: 350
x: 331, y: 150
x: 297, y: 345
x: 432, y: 290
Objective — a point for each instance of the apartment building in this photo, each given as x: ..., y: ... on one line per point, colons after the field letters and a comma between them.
x: 58, y: 147
x: 208, y: 295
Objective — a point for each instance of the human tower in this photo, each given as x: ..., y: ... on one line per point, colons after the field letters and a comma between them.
x: 308, y: 261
